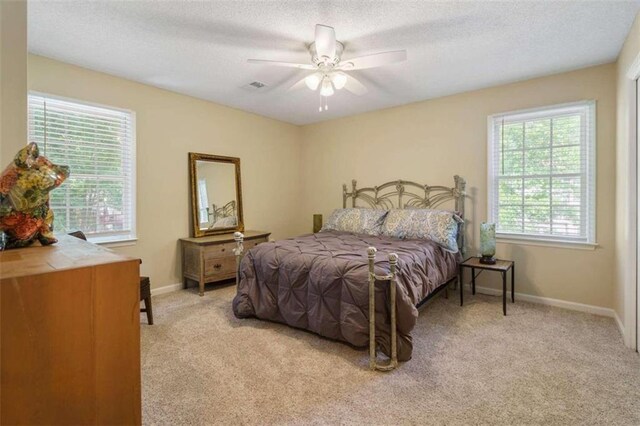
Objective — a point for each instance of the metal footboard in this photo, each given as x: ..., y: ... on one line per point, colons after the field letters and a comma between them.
x: 391, y: 278
x: 239, y: 252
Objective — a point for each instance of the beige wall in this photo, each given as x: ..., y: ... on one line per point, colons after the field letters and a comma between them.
x: 169, y: 126
x: 626, y: 154
x: 428, y: 141
x: 431, y: 141
x: 13, y: 78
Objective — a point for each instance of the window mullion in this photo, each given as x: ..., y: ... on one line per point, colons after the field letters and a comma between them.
x: 584, y: 227
x: 524, y: 137
x: 551, y: 176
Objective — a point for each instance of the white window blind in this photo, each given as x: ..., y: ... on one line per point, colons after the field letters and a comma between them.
x: 98, y: 144
x: 542, y: 173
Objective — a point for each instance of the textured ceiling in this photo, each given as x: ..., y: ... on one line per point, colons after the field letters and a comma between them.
x: 201, y: 48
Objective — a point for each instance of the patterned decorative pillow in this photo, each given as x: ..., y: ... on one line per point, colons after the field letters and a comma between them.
x: 356, y: 220
x: 440, y: 226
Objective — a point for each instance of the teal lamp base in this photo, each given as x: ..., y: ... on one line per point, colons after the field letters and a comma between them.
x: 488, y: 260
x: 488, y: 243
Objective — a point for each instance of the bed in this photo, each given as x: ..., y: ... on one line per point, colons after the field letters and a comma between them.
x: 328, y: 282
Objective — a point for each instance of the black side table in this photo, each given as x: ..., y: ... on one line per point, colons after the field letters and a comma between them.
x: 501, y: 266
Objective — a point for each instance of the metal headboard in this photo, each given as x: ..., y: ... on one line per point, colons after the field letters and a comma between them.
x: 228, y: 209
x: 402, y: 194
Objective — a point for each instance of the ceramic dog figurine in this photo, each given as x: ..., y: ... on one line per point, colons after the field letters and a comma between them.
x: 24, y: 198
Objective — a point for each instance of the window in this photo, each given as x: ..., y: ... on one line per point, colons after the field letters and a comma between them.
x: 542, y: 173
x: 203, y: 203
x: 98, y: 144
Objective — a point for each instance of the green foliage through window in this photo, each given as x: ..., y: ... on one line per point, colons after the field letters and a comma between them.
x: 543, y: 173
x: 97, y: 144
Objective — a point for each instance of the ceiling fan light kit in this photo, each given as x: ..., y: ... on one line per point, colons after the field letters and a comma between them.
x: 339, y: 79
x: 329, y: 68
x: 327, y: 88
x: 313, y: 80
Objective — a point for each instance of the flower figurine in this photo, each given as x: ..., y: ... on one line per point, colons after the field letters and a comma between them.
x: 24, y: 198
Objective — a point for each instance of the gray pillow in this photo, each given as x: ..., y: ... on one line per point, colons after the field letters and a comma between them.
x: 356, y: 220
x: 440, y: 226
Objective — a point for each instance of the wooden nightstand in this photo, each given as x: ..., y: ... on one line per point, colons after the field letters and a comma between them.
x: 501, y: 266
x: 211, y: 259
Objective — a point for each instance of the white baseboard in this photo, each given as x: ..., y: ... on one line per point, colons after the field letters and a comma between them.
x: 619, y: 323
x: 574, y: 306
x: 166, y: 289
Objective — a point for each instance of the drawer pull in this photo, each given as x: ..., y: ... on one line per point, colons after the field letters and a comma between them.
x: 222, y: 250
x: 217, y: 266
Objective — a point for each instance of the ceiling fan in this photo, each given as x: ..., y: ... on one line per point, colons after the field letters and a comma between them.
x: 331, y: 72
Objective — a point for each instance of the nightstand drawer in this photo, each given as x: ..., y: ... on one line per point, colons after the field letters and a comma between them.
x: 220, y: 266
x: 218, y: 250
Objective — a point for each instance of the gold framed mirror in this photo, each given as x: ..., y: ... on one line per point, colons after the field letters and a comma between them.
x: 216, y: 194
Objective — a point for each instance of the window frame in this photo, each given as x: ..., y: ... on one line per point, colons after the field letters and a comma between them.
x: 114, y: 239
x: 587, y: 242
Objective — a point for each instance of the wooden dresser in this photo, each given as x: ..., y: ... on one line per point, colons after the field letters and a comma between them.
x: 70, y: 335
x: 211, y: 259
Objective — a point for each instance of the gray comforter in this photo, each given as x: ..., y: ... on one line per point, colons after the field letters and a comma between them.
x: 319, y: 282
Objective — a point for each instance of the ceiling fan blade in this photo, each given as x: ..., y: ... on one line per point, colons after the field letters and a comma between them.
x: 325, y: 41
x: 354, y: 86
x: 372, y: 61
x: 282, y: 64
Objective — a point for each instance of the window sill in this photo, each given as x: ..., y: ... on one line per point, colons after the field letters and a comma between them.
x: 115, y: 243
x: 575, y: 245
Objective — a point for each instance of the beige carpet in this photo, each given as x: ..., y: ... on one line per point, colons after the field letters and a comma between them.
x: 471, y: 365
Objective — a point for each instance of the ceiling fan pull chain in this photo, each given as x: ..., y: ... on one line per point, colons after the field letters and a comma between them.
x: 320, y: 107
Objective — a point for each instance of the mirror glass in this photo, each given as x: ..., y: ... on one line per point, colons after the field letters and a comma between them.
x: 216, y: 203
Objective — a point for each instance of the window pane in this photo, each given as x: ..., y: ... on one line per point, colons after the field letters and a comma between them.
x: 57, y: 198
x: 511, y: 163
x: 567, y: 191
x: 537, y: 220
x: 566, y: 159
x: 510, y: 219
x: 513, y: 136
x: 537, y: 161
x: 81, y: 191
x: 536, y: 192
x: 537, y: 133
x: 60, y: 221
x: 510, y: 191
x: 566, y: 130
x: 84, y: 219
x: 566, y: 220
x: 109, y: 205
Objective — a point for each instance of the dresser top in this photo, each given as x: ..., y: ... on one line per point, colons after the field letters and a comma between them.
x: 225, y: 238
x: 68, y: 253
